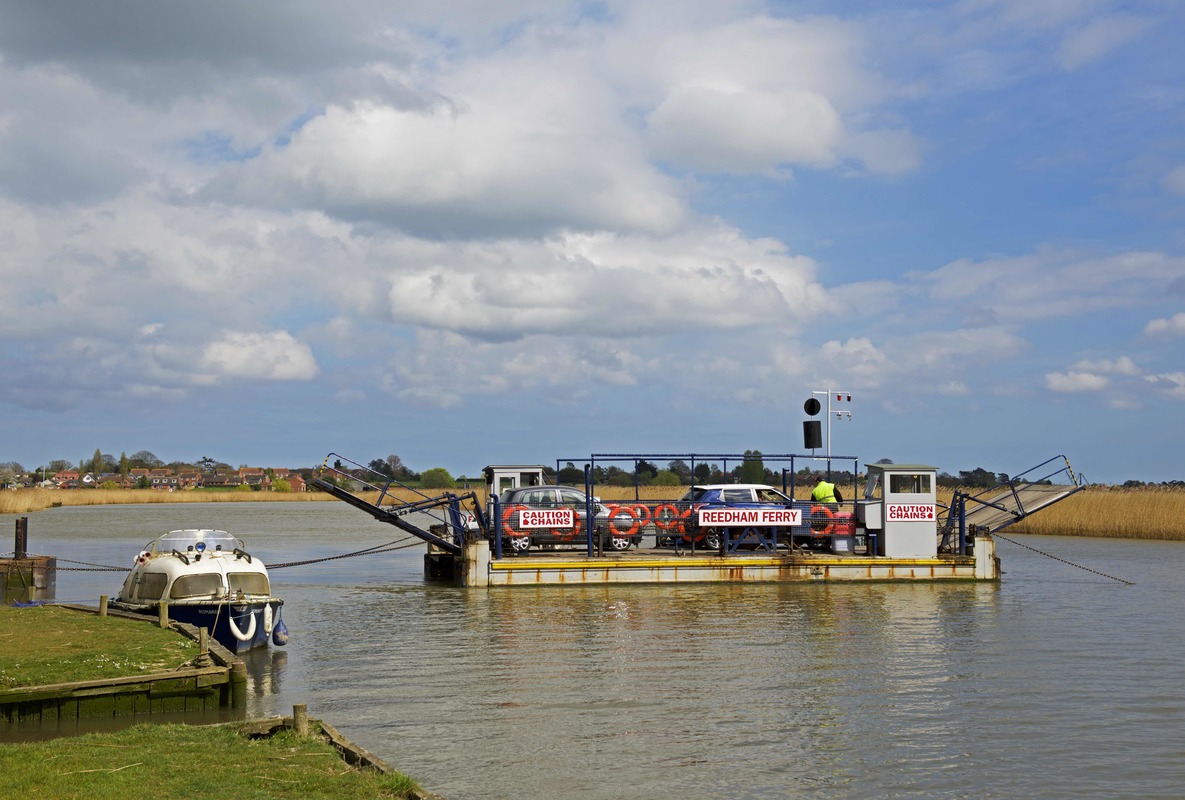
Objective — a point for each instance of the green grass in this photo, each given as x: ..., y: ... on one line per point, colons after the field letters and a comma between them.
x: 180, y: 761
x: 51, y: 644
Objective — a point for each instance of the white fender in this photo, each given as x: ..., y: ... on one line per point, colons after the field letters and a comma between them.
x: 267, y: 619
x: 234, y: 629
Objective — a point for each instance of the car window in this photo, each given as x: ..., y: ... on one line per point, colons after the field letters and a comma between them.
x: 771, y: 496
x: 537, y: 497
x: 570, y: 498
x: 737, y: 495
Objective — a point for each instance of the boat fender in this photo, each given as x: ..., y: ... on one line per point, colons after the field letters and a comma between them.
x: 143, y: 557
x: 234, y: 629
x: 267, y: 619
x: 280, y: 632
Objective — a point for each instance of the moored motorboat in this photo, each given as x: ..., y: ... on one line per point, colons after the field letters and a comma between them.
x: 207, y: 579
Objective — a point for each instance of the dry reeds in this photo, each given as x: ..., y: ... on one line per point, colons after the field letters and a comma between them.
x: 23, y: 501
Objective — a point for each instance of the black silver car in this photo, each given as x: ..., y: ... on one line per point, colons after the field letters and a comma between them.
x: 555, y: 516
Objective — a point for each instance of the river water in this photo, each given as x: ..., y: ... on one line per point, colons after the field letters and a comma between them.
x: 1054, y: 683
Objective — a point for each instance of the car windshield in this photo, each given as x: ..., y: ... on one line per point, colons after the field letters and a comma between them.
x: 695, y: 493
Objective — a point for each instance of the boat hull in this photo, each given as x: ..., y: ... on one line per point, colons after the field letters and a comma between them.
x: 216, y: 618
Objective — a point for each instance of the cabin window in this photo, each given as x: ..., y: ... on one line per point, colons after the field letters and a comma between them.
x: 196, y: 586
x: 152, y: 585
x: 909, y: 484
x: 248, y: 583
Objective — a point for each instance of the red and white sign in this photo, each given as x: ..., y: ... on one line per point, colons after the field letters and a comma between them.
x: 546, y: 518
x: 902, y: 512
x: 749, y: 517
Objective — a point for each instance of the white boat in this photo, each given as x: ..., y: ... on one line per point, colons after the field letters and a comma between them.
x: 209, y: 580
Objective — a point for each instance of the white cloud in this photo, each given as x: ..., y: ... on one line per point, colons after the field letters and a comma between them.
x: 1052, y: 283
x: 275, y: 356
x: 1173, y: 326
x: 1097, y: 38
x: 1075, y: 381
x: 609, y: 286
x: 1173, y: 383
x: 1120, y: 366
x: 1174, y: 180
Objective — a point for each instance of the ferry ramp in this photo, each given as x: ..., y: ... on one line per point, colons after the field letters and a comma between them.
x: 1000, y: 506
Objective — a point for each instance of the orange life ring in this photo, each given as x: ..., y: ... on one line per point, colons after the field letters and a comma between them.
x: 507, y: 528
x: 623, y: 510
x: 643, y: 513
x: 820, y: 528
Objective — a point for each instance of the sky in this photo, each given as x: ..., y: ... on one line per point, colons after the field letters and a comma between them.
x: 520, y: 231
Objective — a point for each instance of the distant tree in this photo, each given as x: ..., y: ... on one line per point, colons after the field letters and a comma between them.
x: 703, y: 472
x: 666, y: 477
x: 145, y: 460
x: 680, y: 468
x: 381, y: 467
x: 206, y: 464
x: 436, y: 478
x: 108, y: 485
x: 58, y: 465
x: 142, y: 482
x: 1002, y: 478
x: 125, y: 466
x: 180, y: 466
x: 645, y: 471
x: 281, y: 485
x: 571, y: 474
x: 978, y: 478
x: 616, y: 476
x: 752, y: 469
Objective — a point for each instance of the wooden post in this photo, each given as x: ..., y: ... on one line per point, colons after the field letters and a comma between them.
x: 163, y: 618
x: 102, y: 605
x: 300, y: 719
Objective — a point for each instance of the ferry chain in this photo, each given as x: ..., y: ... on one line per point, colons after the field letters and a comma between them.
x: 382, y: 548
x: 1055, y: 558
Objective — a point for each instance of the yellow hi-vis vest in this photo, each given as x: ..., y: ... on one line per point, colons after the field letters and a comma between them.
x: 824, y: 492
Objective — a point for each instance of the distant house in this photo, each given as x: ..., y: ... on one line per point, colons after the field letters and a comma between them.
x: 164, y: 482
x: 296, y: 482
x: 220, y: 481
x: 188, y: 480
x: 122, y: 481
x: 64, y: 478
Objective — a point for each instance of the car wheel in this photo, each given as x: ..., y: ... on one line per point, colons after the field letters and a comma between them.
x: 619, y: 543
x: 520, y: 544
x: 712, y: 540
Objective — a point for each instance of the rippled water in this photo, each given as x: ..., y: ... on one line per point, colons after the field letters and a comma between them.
x: 1053, y: 683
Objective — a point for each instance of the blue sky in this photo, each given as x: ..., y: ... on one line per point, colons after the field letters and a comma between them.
x: 470, y: 233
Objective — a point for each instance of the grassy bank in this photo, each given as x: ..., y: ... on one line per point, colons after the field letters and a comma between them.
x: 164, y: 761
x: 49, y: 644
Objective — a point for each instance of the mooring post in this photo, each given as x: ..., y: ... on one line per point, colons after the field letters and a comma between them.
x: 163, y: 613
x: 300, y: 719
x: 102, y: 605
x: 22, y: 539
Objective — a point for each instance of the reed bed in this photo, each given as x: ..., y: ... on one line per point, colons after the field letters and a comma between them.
x: 23, y: 501
x: 1150, y: 512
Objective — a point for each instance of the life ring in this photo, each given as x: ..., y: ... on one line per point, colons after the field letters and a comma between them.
x: 643, y: 513
x: 267, y: 619
x: 819, y: 528
x: 507, y: 514
x: 666, y: 516
x: 234, y: 629
x: 624, y: 511
x: 143, y: 557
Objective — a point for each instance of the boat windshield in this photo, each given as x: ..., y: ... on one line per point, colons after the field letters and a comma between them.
x: 183, y: 541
